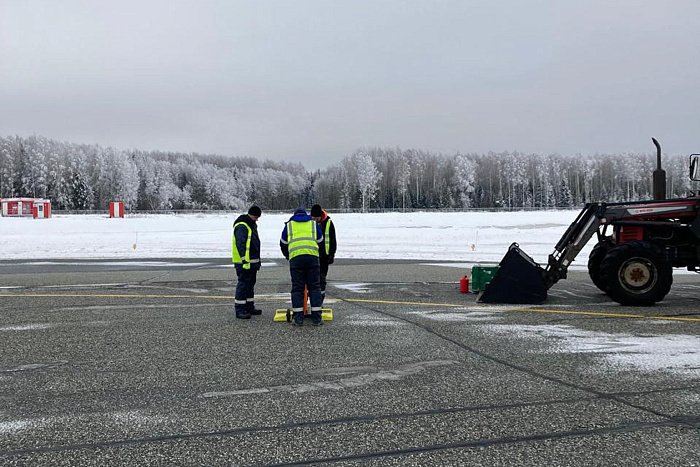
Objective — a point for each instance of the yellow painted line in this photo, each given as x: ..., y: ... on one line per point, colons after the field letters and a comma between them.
x: 610, y: 315
x: 83, y: 295
x: 358, y: 300
x: 126, y: 295
x: 537, y: 310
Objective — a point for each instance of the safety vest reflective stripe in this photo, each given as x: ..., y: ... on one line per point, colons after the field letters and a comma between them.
x: 236, y: 254
x: 300, y: 247
x: 305, y: 242
x: 327, y: 237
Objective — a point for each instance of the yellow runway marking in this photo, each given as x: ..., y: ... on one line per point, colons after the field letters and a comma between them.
x: 85, y: 295
x: 128, y: 295
x: 358, y: 300
x: 611, y: 315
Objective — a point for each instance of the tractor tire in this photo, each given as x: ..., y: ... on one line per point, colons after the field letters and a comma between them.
x: 636, y: 274
x: 595, y: 258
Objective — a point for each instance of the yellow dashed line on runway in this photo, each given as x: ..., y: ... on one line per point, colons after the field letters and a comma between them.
x: 357, y: 300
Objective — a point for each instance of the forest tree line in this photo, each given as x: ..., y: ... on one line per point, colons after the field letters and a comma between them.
x: 87, y: 177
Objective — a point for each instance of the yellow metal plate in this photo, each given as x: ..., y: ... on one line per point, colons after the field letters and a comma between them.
x: 281, y: 314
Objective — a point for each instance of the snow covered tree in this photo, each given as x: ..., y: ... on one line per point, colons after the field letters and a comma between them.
x: 80, y: 195
x: 33, y: 168
x: 57, y: 183
x: 367, y: 177
x: 9, y: 154
x: 565, y: 199
x: 404, y: 178
x: 466, y: 171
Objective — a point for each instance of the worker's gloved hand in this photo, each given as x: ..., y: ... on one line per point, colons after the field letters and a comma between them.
x: 331, y: 259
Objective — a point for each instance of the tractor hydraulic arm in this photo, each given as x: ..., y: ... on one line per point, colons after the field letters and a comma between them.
x: 572, y: 242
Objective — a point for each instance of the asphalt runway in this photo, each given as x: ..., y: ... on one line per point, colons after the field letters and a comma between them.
x: 125, y: 363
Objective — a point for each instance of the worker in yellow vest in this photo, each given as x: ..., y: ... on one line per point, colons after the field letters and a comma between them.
x: 246, y: 258
x: 327, y: 252
x: 300, y: 242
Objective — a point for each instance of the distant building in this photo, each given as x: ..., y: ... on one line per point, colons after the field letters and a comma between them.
x: 26, y: 207
x: 116, y: 209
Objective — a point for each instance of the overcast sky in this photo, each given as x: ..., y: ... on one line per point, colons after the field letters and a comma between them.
x: 312, y: 81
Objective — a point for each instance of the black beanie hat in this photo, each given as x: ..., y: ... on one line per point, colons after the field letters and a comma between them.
x: 254, y: 211
x: 316, y: 210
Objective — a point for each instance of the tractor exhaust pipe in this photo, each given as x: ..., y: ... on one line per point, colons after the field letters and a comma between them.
x: 659, y: 176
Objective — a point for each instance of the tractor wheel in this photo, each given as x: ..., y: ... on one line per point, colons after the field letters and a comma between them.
x: 595, y: 258
x: 636, y: 274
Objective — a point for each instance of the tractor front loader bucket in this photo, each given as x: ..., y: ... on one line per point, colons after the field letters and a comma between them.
x: 518, y: 280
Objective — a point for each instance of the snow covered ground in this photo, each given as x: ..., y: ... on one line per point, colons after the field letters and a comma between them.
x: 467, y: 237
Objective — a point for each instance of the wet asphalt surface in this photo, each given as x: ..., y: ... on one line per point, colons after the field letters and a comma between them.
x: 144, y: 364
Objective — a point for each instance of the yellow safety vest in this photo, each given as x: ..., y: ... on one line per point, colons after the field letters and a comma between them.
x: 327, y: 237
x: 236, y: 256
x: 301, y: 237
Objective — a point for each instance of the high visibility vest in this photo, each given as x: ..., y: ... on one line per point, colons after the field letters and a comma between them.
x: 236, y: 255
x: 327, y: 237
x: 301, y: 237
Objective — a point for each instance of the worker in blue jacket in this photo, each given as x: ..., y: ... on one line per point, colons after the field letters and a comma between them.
x: 301, y: 240
x: 246, y: 258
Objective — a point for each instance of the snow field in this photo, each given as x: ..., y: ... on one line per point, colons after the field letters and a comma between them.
x: 436, y: 236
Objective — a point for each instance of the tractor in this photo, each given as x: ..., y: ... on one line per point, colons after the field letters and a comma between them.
x: 638, y: 245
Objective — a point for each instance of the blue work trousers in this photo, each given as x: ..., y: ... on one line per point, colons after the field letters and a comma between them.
x: 306, y: 272
x: 245, y: 288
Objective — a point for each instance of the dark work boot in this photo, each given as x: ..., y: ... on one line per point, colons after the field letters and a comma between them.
x: 316, y: 318
x: 298, y: 319
x: 242, y: 313
x: 250, y: 306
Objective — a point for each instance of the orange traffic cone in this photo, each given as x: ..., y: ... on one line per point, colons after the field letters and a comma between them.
x: 306, y: 302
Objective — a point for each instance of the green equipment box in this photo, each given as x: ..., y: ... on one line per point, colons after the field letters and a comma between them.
x: 482, y: 275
